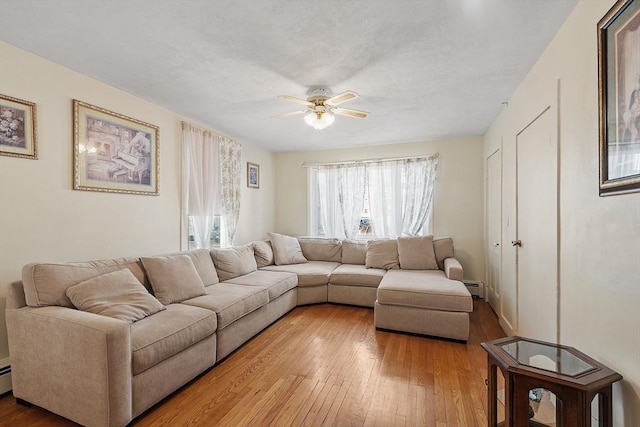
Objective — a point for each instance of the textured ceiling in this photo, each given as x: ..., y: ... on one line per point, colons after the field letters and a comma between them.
x: 425, y: 70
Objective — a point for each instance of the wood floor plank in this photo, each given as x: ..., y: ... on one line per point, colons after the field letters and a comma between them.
x: 326, y: 365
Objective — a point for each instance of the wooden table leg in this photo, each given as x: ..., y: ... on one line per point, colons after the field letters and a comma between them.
x: 605, y: 407
x: 492, y: 393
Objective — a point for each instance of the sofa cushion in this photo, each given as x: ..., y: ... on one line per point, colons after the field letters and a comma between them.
x: 203, y: 263
x: 263, y: 253
x: 312, y: 273
x: 382, y: 254
x: 46, y: 283
x: 230, y: 301
x: 173, y: 278
x: 428, y: 289
x: 234, y: 262
x: 319, y: 249
x: 443, y: 248
x: 416, y: 253
x: 117, y: 294
x: 356, y: 275
x: 168, y: 332
x: 286, y: 249
x: 354, y: 252
x: 276, y: 282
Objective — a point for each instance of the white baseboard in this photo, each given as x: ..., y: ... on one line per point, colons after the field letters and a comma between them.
x: 5, y: 375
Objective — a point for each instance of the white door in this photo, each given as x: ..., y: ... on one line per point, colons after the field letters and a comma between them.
x: 537, y: 231
x: 494, y: 229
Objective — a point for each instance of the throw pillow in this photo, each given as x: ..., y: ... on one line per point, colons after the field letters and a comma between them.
x: 417, y: 253
x: 263, y: 253
x: 354, y: 252
x: 234, y: 262
x: 286, y: 249
x: 382, y: 254
x: 173, y: 278
x: 117, y: 294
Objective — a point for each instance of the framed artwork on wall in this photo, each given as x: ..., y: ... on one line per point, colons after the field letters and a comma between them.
x: 18, y: 136
x: 113, y: 153
x: 619, y: 98
x: 253, y: 175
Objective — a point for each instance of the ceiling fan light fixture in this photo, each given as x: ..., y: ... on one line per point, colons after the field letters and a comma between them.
x: 319, y: 120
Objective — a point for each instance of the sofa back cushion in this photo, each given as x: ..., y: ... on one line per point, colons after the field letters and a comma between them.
x: 117, y: 294
x: 382, y: 254
x: 46, y: 283
x: 263, y: 253
x: 174, y: 278
x: 234, y: 262
x: 203, y: 263
x: 354, y: 252
x: 443, y: 247
x: 286, y: 249
x: 319, y: 249
x: 416, y: 253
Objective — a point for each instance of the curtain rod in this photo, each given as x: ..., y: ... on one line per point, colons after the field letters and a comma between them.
x: 351, y: 162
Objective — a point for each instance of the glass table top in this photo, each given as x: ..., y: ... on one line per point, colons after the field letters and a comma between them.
x: 547, y: 357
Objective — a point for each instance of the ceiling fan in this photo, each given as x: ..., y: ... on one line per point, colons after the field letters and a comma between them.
x: 321, y: 108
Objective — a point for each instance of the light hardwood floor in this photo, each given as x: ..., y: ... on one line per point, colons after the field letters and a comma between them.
x: 326, y: 365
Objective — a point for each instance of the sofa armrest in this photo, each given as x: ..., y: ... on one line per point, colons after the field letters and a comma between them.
x: 73, y: 363
x: 453, y: 269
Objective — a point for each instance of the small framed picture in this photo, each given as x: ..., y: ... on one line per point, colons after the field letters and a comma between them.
x: 253, y: 175
x: 113, y: 153
x: 18, y: 137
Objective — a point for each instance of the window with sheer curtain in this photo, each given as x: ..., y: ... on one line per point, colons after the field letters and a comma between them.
x: 372, y: 199
x: 211, y: 187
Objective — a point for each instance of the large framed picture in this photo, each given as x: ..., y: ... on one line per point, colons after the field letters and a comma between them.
x: 113, y: 153
x: 18, y: 136
x: 253, y: 175
x: 619, y: 98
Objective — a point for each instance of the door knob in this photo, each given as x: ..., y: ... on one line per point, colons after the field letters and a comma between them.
x: 516, y: 243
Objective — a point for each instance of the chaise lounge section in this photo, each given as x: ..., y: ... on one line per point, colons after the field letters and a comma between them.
x: 100, y: 342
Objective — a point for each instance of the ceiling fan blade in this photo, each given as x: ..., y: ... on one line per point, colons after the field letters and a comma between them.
x: 297, y: 100
x: 341, y: 97
x: 350, y: 113
x: 293, y: 113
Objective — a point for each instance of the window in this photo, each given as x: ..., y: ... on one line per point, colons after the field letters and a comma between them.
x: 363, y: 200
x: 211, y: 188
x: 216, y: 234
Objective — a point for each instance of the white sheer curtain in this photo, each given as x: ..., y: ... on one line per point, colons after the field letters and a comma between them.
x: 329, y: 202
x: 201, y: 180
x: 341, y: 190
x: 417, y: 194
x: 351, y: 191
x: 401, y: 195
x: 385, y: 198
x: 231, y: 169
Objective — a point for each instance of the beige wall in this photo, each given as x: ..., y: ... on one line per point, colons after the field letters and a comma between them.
x: 43, y: 219
x: 458, y: 206
x: 599, y: 237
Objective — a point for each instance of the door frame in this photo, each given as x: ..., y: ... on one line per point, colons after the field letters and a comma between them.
x: 498, y: 151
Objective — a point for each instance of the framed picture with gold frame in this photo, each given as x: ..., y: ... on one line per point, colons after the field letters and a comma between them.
x: 619, y: 98
x: 113, y: 153
x: 18, y: 136
x: 253, y: 175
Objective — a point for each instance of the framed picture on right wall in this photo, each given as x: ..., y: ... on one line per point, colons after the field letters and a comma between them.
x: 619, y: 98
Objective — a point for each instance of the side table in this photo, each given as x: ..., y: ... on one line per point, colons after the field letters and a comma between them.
x: 571, y: 375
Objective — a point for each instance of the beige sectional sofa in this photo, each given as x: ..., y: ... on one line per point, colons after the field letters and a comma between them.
x: 100, y: 342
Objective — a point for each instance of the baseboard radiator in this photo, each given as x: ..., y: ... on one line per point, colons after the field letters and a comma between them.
x: 5, y: 375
